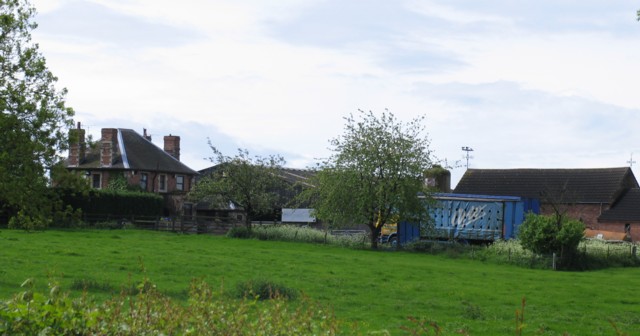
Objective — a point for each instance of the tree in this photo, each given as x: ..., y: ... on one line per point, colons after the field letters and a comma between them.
x: 551, y: 234
x: 252, y: 183
x: 375, y: 174
x: 32, y: 118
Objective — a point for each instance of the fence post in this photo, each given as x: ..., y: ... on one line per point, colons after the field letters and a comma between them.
x: 509, y: 254
x: 633, y: 250
x: 554, y: 261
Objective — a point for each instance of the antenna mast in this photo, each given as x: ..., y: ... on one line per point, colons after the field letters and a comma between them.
x: 467, y: 149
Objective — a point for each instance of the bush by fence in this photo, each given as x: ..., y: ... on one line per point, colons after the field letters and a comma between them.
x: 107, y: 202
x: 591, y: 254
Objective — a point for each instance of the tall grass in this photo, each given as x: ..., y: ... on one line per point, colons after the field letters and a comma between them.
x: 303, y: 234
x: 591, y: 254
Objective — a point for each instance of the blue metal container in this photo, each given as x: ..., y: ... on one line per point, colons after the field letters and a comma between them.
x: 470, y: 218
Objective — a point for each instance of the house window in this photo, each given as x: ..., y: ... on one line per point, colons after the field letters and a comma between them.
x: 96, y: 181
x: 144, y: 178
x: 179, y: 182
x: 162, y: 183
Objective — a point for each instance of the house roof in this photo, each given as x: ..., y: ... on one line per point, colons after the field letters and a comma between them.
x: 627, y: 208
x: 134, y: 152
x: 592, y: 185
x: 294, y: 175
x: 290, y: 175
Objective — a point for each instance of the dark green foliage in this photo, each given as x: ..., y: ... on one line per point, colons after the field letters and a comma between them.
x: 33, y: 118
x: 261, y: 289
x: 239, y: 232
x: 92, y: 286
x: 551, y: 234
x: 115, y: 203
x: 119, y: 182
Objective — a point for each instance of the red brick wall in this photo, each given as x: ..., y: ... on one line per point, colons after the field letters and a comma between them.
x: 587, y: 213
x: 634, y: 228
x: 77, y: 147
x: 152, y: 181
x: 172, y: 146
x: 109, y: 146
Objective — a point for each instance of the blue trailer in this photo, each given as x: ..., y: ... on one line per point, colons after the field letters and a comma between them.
x: 462, y: 217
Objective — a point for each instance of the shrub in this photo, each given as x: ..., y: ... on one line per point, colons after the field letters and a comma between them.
x: 28, y: 222
x: 239, y: 232
x: 551, y: 234
x: 265, y: 290
x: 118, y: 203
x: 151, y: 313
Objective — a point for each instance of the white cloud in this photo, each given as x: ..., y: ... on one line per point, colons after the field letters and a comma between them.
x: 523, y: 89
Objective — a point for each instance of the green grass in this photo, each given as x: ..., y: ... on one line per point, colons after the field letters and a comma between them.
x: 376, y: 289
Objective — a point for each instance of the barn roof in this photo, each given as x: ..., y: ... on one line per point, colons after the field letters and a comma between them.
x: 627, y: 208
x: 591, y: 185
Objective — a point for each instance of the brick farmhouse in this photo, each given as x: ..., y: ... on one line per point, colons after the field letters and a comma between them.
x: 122, y: 152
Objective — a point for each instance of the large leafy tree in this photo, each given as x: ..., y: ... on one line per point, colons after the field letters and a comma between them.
x: 253, y: 183
x: 33, y: 117
x: 375, y: 174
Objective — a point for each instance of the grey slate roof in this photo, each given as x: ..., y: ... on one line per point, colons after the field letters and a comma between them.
x: 134, y: 152
x: 627, y: 208
x: 592, y: 185
x: 290, y: 175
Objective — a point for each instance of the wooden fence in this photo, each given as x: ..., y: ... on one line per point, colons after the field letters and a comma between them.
x: 181, y: 224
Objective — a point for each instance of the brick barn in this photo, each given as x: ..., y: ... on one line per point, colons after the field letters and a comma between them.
x: 604, y: 199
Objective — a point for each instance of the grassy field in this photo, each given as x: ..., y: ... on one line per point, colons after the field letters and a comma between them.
x: 376, y: 289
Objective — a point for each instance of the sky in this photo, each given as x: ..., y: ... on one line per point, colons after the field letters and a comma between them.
x: 524, y: 83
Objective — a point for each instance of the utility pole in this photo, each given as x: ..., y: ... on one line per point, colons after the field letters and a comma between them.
x: 468, y: 149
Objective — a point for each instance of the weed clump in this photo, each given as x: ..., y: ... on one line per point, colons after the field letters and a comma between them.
x: 265, y: 290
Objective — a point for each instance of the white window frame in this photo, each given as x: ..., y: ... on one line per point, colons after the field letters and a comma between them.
x: 162, y: 183
x: 180, y: 185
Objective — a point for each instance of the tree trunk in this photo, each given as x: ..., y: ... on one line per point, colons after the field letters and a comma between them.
x: 247, y: 222
x: 375, y: 234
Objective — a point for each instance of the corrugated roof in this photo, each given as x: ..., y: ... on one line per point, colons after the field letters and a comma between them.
x: 627, y: 208
x: 592, y: 185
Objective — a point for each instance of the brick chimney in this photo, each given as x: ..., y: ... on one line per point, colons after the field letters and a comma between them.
x: 77, y: 146
x: 172, y: 146
x: 145, y: 135
x: 109, y: 146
